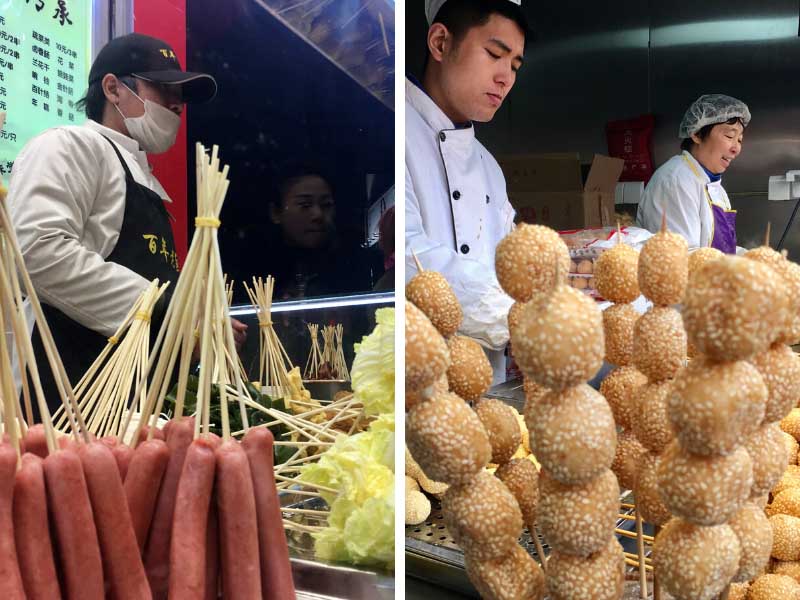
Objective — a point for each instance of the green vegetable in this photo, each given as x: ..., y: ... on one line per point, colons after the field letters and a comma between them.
x: 373, y: 367
x: 254, y: 416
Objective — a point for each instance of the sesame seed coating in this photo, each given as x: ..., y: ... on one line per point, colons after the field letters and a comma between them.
x: 411, y: 484
x: 514, y: 314
x: 601, y: 576
x: 470, y: 373
x: 514, y: 577
x: 522, y: 480
x: 426, y: 352
x: 716, y: 405
x: 664, y: 268
x: 704, y: 490
x: 616, y: 274
x: 790, y: 272
x: 786, y: 503
x: 754, y: 532
x: 659, y: 343
x: 572, y: 434
x: 483, y: 517
x: 500, y: 422
x: 414, y: 397
x: 789, y: 479
x: 431, y: 293
x: 780, y: 369
x: 418, y: 507
x: 695, y: 563
x: 735, y: 308
x: 791, y: 447
x: 618, y: 388
x: 767, y: 450
x: 525, y: 261
x: 738, y: 591
x: 651, y: 423
x: 435, y: 488
x: 774, y: 587
x: 701, y: 256
x: 627, y: 458
x: 559, y: 341
x: 648, y: 498
x: 791, y: 423
x: 618, y: 324
x: 785, y: 537
x: 786, y: 567
x: 578, y: 520
x: 446, y: 438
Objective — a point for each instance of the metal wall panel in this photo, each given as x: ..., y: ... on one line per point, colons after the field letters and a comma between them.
x: 596, y: 62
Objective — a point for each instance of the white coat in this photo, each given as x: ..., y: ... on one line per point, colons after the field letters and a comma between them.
x: 457, y: 211
x: 679, y: 186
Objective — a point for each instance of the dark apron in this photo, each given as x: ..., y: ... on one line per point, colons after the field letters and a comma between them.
x: 724, y: 238
x: 145, y: 246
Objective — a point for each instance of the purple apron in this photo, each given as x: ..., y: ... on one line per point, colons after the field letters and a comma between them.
x: 724, y: 229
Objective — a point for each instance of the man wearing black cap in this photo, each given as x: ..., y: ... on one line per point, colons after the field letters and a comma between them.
x: 89, y: 215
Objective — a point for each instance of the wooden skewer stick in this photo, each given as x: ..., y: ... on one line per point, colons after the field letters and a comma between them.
x: 766, y: 235
x: 643, y: 593
x: 663, y: 221
x: 416, y: 261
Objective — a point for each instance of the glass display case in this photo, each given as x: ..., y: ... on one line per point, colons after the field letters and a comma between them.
x: 356, y: 314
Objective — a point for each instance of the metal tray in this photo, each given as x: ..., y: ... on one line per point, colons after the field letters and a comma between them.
x: 433, y: 556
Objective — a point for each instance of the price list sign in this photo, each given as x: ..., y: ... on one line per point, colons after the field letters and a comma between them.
x: 45, y: 55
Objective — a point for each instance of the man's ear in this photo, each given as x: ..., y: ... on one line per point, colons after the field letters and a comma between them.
x: 696, y: 139
x: 111, y: 88
x: 438, y: 41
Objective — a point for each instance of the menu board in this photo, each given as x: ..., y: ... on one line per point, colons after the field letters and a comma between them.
x: 45, y: 55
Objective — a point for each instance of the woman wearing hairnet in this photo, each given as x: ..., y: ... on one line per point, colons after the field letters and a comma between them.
x: 688, y: 187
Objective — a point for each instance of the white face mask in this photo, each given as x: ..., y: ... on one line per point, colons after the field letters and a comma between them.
x: 156, y: 129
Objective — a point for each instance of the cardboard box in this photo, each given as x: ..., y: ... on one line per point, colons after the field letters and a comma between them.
x: 547, y: 189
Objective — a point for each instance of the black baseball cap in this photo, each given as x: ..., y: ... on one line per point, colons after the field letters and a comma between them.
x: 153, y: 60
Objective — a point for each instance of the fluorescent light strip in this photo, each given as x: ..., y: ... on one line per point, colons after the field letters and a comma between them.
x: 315, y: 304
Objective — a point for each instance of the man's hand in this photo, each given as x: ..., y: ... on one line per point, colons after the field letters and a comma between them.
x: 239, y: 333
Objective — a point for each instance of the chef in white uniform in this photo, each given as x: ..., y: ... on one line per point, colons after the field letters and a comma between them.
x: 688, y: 187
x: 457, y: 209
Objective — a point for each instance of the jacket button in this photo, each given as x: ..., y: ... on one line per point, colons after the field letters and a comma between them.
x: 442, y: 136
x: 464, y: 249
x: 456, y: 195
x: 487, y: 199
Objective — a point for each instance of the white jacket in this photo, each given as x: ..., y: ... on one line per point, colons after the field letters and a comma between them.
x: 681, y: 190
x: 66, y: 199
x: 457, y: 211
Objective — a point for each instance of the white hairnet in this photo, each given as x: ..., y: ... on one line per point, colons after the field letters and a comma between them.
x: 432, y: 8
x: 711, y: 109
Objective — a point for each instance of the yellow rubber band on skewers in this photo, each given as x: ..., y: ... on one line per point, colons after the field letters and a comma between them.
x: 207, y: 222
x: 113, y: 340
x: 265, y: 324
x: 142, y: 316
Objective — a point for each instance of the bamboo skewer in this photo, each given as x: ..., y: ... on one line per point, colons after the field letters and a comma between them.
x: 641, y: 556
x: 311, y: 372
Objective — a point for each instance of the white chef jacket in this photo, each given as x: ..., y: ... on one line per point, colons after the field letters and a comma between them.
x: 679, y: 185
x: 66, y: 200
x: 457, y: 211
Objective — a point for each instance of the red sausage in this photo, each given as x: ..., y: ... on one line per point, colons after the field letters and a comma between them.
x: 276, y: 569
x: 212, y: 537
x: 121, y: 559
x: 32, y: 532
x: 157, y: 433
x: 122, y: 454
x: 7, y: 439
x: 212, y: 553
x: 11, y: 587
x: 241, y: 577
x: 187, y: 575
x: 156, y: 558
x: 35, y: 441
x: 142, y: 484
x: 79, y: 550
